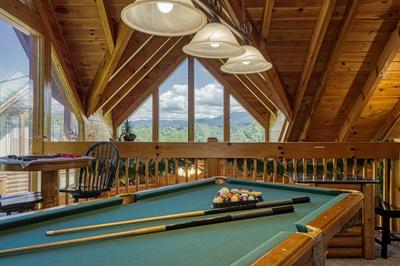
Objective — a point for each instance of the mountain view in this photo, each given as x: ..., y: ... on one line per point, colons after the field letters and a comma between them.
x: 243, y: 129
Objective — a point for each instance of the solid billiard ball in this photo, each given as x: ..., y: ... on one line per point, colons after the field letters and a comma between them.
x: 235, y: 198
x: 218, y: 199
x: 251, y: 197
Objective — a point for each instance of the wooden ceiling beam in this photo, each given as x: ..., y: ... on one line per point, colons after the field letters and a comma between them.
x: 106, y: 69
x: 150, y: 64
x: 123, y: 75
x: 64, y: 58
x: 233, y: 85
x: 317, y: 37
x: 346, y: 24
x: 18, y: 14
x: 147, y: 86
x: 267, y: 17
x: 105, y: 18
x: 271, y: 77
x: 391, y: 121
x: 375, y: 76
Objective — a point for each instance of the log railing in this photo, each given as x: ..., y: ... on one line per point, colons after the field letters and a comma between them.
x: 154, y: 164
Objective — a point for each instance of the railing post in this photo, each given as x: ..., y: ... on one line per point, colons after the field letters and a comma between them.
x: 212, y: 164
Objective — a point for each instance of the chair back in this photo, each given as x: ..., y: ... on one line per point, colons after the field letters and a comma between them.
x: 99, y: 176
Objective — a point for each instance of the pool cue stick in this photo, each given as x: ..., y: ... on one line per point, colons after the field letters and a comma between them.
x: 258, y: 205
x: 158, y: 228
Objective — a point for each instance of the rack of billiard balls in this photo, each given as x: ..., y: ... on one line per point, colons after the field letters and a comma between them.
x: 226, y: 197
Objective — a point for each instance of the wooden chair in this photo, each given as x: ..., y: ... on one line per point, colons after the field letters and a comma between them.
x: 20, y: 202
x: 387, y: 212
x: 99, y: 176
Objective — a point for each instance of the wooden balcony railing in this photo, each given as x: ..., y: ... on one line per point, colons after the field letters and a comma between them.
x: 143, y: 165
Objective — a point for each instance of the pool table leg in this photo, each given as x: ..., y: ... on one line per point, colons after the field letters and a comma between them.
x: 50, y: 188
x: 319, y: 253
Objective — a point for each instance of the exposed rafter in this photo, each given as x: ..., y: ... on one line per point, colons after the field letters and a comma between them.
x: 346, y: 24
x: 56, y: 37
x: 313, y: 50
x: 123, y: 75
x: 235, y: 88
x: 267, y: 16
x: 150, y: 63
x: 147, y: 86
x: 383, y: 62
x: 271, y: 77
x: 107, y: 68
x: 17, y: 12
x: 391, y: 121
x: 107, y: 23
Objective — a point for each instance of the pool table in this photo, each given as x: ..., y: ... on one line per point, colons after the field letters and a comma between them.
x: 285, y: 239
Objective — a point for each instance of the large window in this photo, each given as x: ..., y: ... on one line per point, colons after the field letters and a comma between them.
x: 139, y: 123
x: 16, y: 102
x: 244, y: 128
x: 174, y: 106
x: 63, y: 124
x: 209, y: 105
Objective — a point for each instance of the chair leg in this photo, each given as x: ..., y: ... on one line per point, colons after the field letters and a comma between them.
x: 385, y: 236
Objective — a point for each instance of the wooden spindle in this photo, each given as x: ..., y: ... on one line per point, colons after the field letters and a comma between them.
x: 166, y: 171
x: 334, y: 162
x: 294, y: 169
x: 254, y: 169
x: 137, y: 174
x: 156, y: 172
x: 205, y: 173
x: 117, y: 181
x: 284, y: 171
x: 245, y: 168
x: 264, y: 169
x: 186, y: 171
x: 354, y: 169
x: 67, y: 185
x: 314, y: 171
x: 234, y: 167
x: 325, y: 169
x: 304, y: 168
x: 127, y: 175
x: 364, y: 169
x: 275, y: 176
x: 345, y: 168
x: 196, y: 168
x: 224, y: 163
x: 176, y: 170
x: 146, y: 172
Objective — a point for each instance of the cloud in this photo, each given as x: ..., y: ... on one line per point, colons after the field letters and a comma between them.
x: 174, y: 103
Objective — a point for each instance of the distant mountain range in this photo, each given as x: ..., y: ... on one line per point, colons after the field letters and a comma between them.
x: 237, y: 118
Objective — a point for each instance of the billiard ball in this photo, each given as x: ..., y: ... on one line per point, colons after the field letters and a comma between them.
x: 223, y: 192
x: 235, y: 198
x: 218, y: 199
x: 244, y: 197
x: 251, y: 197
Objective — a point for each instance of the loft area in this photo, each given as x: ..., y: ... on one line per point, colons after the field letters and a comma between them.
x: 268, y: 118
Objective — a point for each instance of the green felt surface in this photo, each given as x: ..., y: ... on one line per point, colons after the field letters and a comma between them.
x: 217, y: 244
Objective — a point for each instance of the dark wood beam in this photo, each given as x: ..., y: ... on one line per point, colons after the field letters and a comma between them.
x: 346, y: 24
x: 317, y: 37
x: 106, y: 69
x: 383, y: 62
x: 56, y: 37
x: 267, y: 17
x: 105, y: 17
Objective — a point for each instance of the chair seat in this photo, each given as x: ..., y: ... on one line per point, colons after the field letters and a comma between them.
x: 386, y: 209
x: 20, y: 202
x: 83, y: 192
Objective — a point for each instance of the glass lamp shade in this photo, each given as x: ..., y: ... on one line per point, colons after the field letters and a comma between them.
x: 214, y: 41
x: 164, y: 17
x: 251, y: 61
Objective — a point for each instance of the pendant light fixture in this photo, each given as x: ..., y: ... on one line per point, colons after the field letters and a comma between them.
x: 252, y: 61
x: 164, y: 17
x: 215, y: 40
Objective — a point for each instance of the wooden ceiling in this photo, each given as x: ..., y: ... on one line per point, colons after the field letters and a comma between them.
x: 336, y: 73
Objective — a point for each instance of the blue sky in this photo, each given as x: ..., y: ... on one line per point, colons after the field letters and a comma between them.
x: 12, y: 55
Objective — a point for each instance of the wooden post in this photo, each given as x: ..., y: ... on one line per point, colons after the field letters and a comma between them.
x: 191, y: 118
x: 127, y: 175
x: 369, y: 222
x: 227, y: 116
x: 275, y: 176
x: 284, y: 170
x: 166, y: 171
x: 212, y: 164
x: 156, y: 114
x: 137, y: 174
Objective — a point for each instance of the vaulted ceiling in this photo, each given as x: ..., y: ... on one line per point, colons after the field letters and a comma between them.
x: 336, y: 73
